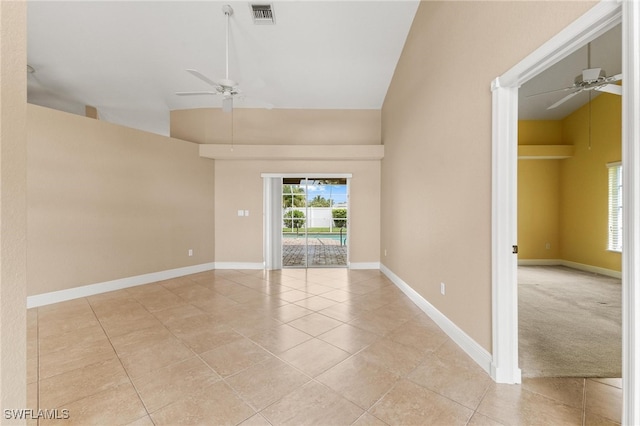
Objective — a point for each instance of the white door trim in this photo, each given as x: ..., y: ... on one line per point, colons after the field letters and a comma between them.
x: 308, y: 175
x: 631, y: 217
x: 592, y: 24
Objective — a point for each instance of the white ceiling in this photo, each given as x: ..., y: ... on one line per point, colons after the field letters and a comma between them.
x: 129, y: 58
x: 606, y: 53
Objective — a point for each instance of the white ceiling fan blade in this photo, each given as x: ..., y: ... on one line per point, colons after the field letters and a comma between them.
x: 202, y: 77
x: 564, y: 89
x: 610, y: 88
x: 565, y: 99
x: 195, y: 93
x: 616, y: 77
x: 227, y: 104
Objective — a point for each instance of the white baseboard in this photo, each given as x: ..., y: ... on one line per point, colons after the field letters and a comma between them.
x: 539, y: 262
x: 239, y: 265
x: 104, y: 287
x: 364, y: 265
x: 479, y: 354
x: 569, y: 264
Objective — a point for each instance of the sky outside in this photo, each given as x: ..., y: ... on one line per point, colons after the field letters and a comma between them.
x: 337, y: 193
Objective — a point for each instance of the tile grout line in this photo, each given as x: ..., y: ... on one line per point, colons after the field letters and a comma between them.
x: 120, y: 360
x: 311, y: 379
x: 222, y: 379
x: 484, y: 395
x: 584, y: 401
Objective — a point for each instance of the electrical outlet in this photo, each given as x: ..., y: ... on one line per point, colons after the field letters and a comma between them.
x: 385, y: 252
x: 547, y: 246
x: 190, y: 252
x: 240, y: 212
x: 246, y: 212
x: 442, y: 288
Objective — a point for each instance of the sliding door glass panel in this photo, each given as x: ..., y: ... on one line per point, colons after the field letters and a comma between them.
x: 315, y: 218
x: 294, y: 231
x: 326, y: 223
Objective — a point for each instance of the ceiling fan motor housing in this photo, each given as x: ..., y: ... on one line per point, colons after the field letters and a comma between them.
x: 590, y: 76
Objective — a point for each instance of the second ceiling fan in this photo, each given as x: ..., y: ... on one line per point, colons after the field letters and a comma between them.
x: 590, y: 79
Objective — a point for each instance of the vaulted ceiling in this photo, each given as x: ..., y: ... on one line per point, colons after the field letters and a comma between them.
x: 128, y: 59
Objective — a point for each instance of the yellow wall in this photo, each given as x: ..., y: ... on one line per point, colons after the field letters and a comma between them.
x: 539, y: 193
x: 538, y: 209
x: 584, y: 180
x: 564, y: 202
x: 540, y: 132
x: 436, y: 128
x: 108, y: 202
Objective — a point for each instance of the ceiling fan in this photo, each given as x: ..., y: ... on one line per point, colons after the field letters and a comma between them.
x: 224, y: 87
x: 590, y: 79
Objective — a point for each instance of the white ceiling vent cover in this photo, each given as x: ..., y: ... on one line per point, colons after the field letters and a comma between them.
x: 262, y: 14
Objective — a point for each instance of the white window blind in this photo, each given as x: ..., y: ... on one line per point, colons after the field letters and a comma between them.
x: 615, y: 207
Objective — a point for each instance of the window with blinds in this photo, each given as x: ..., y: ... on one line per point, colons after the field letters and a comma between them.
x: 615, y: 207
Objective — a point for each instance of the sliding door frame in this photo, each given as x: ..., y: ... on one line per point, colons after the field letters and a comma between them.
x: 272, y: 213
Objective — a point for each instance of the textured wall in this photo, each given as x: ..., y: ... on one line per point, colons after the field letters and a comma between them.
x: 13, y: 224
x: 436, y: 128
x: 108, y: 202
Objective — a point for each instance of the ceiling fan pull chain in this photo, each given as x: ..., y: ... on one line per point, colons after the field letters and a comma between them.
x: 589, y: 120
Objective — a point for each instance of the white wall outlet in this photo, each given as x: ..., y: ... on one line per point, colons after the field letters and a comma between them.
x: 442, y: 288
x: 240, y: 212
x: 190, y: 252
x: 246, y: 212
x: 385, y: 252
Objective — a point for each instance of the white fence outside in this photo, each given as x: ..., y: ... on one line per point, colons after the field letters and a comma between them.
x: 317, y: 217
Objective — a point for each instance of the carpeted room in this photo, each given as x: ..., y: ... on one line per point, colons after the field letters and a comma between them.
x: 569, y: 274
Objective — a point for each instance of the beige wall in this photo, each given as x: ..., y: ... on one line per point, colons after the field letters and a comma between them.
x: 13, y: 206
x: 277, y: 126
x: 436, y: 128
x: 108, y: 202
x: 240, y: 187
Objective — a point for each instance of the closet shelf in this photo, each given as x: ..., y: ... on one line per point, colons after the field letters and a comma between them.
x: 544, y: 152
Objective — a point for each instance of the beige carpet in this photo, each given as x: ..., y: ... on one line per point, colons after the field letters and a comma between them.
x: 570, y: 323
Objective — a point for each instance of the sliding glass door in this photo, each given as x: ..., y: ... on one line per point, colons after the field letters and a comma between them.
x: 315, y: 219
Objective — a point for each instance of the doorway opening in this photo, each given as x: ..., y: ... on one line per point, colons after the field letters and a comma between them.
x: 599, y: 19
x: 569, y: 289
x: 314, y: 222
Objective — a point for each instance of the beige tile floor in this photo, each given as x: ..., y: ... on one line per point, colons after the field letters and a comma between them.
x: 318, y: 346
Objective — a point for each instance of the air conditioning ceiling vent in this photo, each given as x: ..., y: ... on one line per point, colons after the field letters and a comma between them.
x: 262, y: 14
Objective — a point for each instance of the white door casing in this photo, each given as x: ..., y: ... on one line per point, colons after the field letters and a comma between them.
x: 601, y: 18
